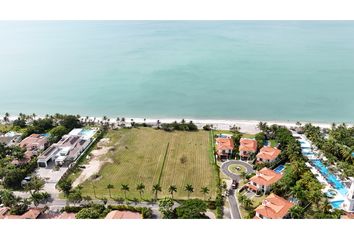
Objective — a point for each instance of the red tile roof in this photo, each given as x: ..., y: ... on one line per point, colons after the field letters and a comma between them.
x: 32, y: 213
x: 248, y: 145
x: 274, y: 207
x: 268, y: 153
x: 123, y: 215
x: 33, y: 141
x: 66, y: 215
x: 224, y: 144
x: 266, y: 177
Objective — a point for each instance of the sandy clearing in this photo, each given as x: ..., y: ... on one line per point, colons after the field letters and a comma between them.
x: 96, y: 162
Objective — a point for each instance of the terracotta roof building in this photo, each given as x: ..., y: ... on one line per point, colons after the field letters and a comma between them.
x: 33, y: 144
x: 263, y: 180
x: 123, y: 215
x: 32, y: 213
x: 273, y: 207
x: 247, y: 147
x: 224, y: 147
x: 268, y: 154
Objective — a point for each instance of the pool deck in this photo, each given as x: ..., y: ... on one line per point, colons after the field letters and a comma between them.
x: 306, y: 146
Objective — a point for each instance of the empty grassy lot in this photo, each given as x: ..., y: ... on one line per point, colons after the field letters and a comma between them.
x: 150, y: 156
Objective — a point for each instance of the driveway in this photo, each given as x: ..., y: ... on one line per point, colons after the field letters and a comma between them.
x: 51, y: 178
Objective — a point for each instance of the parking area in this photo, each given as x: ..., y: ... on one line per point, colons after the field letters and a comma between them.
x: 51, y: 177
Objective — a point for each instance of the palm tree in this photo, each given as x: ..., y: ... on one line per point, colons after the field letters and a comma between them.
x: 158, y: 123
x: 205, y: 191
x: 125, y: 188
x: 6, y: 117
x: 109, y: 187
x: 189, y: 189
x: 156, y: 188
x: 172, y: 189
x: 296, y: 212
x: 141, y: 188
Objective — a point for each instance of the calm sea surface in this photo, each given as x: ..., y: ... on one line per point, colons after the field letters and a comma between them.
x: 277, y: 70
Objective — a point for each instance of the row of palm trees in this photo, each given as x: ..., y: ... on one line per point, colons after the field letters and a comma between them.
x: 156, y: 188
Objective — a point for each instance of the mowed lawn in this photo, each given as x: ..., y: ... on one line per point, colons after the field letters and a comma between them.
x: 144, y: 155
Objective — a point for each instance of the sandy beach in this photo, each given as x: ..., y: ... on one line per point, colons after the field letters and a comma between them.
x: 246, y: 126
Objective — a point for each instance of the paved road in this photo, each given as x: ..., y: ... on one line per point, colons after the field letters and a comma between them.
x: 235, y: 211
x: 233, y: 176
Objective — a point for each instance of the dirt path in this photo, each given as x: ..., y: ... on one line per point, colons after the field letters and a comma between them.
x: 96, y: 162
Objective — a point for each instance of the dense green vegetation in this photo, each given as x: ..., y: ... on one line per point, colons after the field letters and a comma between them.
x: 337, y: 148
x: 182, y: 126
x: 95, y: 211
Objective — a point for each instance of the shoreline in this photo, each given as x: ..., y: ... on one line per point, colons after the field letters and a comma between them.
x: 246, y: 126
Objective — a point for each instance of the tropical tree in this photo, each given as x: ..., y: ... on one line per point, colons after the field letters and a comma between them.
x: 125, y: 188
x: 141, y: 188
x: 297, y: 212
x: 172, y: 189
x: 189, y: 189
x: 166, y: 208
x: 204, y: 191
x: 65, y: 185
x: 156, y: 188
x: 34, y: 185
x: 110, y: 187
x: 6, y: 117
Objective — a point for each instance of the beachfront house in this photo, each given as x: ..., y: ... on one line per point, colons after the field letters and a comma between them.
x: 9, y: 139
x: 247, y: 148
x: 224, y: 147
x: 273, y: 207
x: 68, y: 149
x: 263, y: 180
x: 268, y: 154
x: 33, y: 145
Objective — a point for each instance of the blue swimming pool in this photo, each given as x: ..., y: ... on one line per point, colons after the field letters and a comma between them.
x: 87, y: 132
x: 331, y: 178
x: 279, y: 169
x: 337, y: 204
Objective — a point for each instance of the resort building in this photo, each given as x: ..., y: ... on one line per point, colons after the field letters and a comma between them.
x: 268, y: 154
x: 123, y: 215
x: 34, y: 144
x: 68, y: 149
x: 248, y: 147
x: 348, y: 204
x: 224, y: 147
x: 273, y: 207
x: 263, y: 180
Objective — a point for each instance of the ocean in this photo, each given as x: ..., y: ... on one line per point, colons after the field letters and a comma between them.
x: 261, y: 70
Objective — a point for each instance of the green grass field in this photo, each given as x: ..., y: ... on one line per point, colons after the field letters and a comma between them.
x: 147, y: 155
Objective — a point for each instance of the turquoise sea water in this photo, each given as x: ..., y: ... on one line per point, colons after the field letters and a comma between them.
x: 275, y: 70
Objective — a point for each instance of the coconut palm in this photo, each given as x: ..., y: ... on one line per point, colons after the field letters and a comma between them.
x: 6, y: 117
x: 204, y: 191
x: 189, y: 189
x: 125, y: 188
x: 109, y: 187
x: 172, y: 189
x: 141, y: 188
x: 156, y: 188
